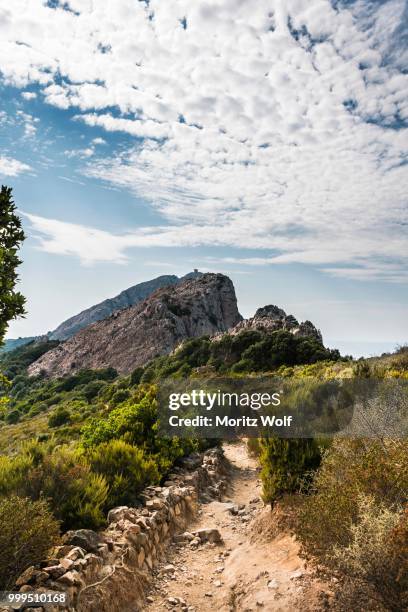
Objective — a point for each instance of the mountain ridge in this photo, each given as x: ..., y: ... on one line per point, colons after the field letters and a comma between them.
x: 102, y: 310
x: 200, y: 305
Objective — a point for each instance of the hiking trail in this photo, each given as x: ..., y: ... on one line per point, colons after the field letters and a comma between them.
x: 255, y: 567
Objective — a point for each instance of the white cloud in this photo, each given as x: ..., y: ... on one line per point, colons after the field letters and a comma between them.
x: 90, y: 245
x: 269, y: 125
x: 28, y: 95
x: 99, y: 141
x: 29, y: 123
x: 145, y: 129
x: 81, y: 153
x: 12, y: 167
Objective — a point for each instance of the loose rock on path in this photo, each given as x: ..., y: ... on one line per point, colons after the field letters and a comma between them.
x: 216, y: 565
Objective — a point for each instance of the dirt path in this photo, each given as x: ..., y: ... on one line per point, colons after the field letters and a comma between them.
x: 244, y: 572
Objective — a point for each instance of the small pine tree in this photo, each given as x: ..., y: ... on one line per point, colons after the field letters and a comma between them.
x: 11, y: 236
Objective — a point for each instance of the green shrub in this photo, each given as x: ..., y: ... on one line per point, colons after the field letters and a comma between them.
x: 400, y: 359
x: 13, y: 472
x: 134, y: 421
x: 254, y: 447
x: 286, y: 463
x: 27, y: 531
x: 126, y: 469
x: 36, y: 409
x: 92, y: 389
x: 76, y: 496
x: 121, y: 395
x: 194, y: 353
x: 59, y: 417
x: 136, y: 376
x: 84, y: 377
x: 359, y: 490
x: 13, y: 417
x: 376, y: 559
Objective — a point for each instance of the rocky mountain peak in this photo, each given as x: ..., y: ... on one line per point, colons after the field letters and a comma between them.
x: 203, y: 304
x: 270, y: 312
x: 271, y: 318
x: 129, y: 297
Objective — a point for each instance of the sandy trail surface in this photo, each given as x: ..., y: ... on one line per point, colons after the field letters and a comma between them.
x: 249, y: 570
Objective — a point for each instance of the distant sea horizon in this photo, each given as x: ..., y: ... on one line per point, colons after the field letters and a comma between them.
x: 358, y: 348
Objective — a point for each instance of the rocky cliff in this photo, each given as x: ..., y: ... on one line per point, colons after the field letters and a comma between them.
x: 129, y: 297
x: 103, y: 310
x: 131, y: 337
x: 271, y: 318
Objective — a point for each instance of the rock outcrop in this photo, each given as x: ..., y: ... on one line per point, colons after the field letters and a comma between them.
x: 103, y: 310
x: 271, y: 318
x: 131, y: 337
x: 126, y: 298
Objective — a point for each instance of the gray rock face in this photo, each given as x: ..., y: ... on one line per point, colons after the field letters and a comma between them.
x: 271, y: 318
x: 131, y: 337
x: 270, y: 312
x: 103, y: 310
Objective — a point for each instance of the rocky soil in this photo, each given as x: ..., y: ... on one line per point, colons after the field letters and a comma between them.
x: 239, y: 568
x: 132, y: 337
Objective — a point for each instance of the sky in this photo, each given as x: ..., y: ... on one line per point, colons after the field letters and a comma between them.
x: 266, y: 140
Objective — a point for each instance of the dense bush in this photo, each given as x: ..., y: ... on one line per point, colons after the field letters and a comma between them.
x: 126, y: 469
x: 283, y: 348
x: 27, y: 531
x: 75, y: 494
x: 376, y: 559
x: 353, y: 521
x: 136, y: 376
x: 135, y: 422
x: 92, y: 389
x: 60, y: 416
x: 13, y: 417
x: 84, y: 377
x: 286, y: 464
x: 247, y: 351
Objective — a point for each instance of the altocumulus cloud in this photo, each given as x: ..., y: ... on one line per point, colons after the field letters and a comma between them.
x: 12, y: 167
x: 275, y: 125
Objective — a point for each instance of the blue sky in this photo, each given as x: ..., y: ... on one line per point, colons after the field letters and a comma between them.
x: 269, y: 143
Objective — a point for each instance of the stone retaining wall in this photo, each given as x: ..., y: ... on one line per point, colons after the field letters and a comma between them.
x: 111, y: 570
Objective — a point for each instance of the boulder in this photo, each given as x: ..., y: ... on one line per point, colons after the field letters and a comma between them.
x: 208, y: 535
x: 32, y: 575
x: 72, y: 578
x: 85, y: 538
x: 75, y: 553
x: 55, y: 571
x: 116, y: 514
x: 154, y: 504
x: 183, y: 537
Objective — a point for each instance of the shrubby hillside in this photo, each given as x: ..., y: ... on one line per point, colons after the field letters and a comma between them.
x: 84, y: 443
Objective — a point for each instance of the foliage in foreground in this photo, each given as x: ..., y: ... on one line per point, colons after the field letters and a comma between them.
x: 127, y: 471
x: 286, y: 463
x: 355, y: 520
x: 27, y: 531
x: 11, y: 237
x: 115, y: 456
